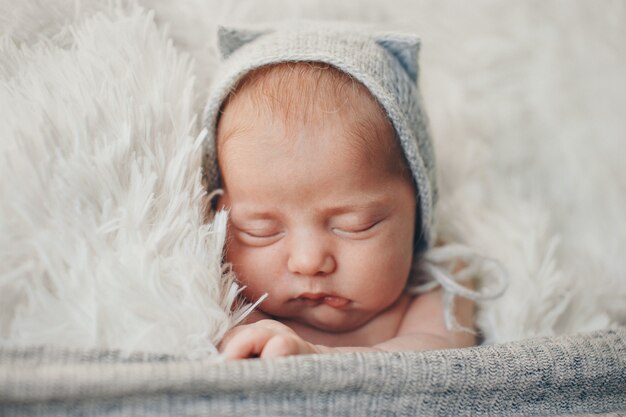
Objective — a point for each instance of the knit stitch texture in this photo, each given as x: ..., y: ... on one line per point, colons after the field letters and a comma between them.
x: 566, y: 375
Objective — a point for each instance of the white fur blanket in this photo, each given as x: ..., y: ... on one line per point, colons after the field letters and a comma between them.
x: 101, y: 239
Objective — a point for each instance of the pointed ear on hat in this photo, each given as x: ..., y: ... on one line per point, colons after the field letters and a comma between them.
x: 404, y: 47
x: 229, y: 39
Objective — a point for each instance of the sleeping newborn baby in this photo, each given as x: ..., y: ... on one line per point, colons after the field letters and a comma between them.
x: 319, y: 146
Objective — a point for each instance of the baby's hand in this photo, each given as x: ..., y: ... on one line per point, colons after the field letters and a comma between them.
x: 264, y: 339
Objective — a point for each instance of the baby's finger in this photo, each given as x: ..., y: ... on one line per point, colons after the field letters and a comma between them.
x: 246, y: 344
x: 281, y: 345
x: 271, y: 325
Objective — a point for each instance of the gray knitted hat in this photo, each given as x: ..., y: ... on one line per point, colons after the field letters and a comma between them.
x: 385, y: 63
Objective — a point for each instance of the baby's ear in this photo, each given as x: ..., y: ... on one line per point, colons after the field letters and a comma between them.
x: 229, y: 39
x: 404, y: 47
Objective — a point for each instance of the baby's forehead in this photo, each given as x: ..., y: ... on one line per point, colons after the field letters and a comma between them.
x: 299, y: 94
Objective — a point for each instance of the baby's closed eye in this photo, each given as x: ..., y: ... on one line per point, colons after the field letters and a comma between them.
x: 260, y: 233
x: 355, y: 226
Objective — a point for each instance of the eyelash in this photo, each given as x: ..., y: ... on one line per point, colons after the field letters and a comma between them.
x: 261, y: 236
x: 347, y: 233
x: 360, y: 230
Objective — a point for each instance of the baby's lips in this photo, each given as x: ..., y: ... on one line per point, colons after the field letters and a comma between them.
x: 315, y: 299
x: 335, y: 301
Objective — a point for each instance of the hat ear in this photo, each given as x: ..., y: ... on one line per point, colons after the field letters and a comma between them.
x: 229, y: 39
x: 405, y: 48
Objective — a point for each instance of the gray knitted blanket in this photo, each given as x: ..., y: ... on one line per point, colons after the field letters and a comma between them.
x: 566, y: 375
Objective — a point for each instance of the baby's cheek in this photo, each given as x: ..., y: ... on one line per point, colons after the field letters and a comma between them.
x: 253, y: 265
x: 387, y: 267
x: 395, y: 249
x: 239, y: 256
x: 366, y: 265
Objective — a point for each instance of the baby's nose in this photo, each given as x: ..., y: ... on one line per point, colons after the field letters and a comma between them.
x: 310, y: 256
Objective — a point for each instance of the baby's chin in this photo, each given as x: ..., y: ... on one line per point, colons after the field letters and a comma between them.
x: 326, y: 320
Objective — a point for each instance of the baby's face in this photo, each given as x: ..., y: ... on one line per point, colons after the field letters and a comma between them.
x: 315, y: 221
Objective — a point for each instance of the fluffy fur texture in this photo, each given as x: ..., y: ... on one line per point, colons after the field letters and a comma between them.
x: 101, y: 242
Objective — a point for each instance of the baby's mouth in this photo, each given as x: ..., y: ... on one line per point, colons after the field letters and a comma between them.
x: 331, y: 300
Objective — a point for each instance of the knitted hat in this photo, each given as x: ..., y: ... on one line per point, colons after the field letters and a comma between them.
x: 385, y: 63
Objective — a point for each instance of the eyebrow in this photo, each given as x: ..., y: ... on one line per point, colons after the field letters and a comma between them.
x: 252, y: 213
x: 369, y: 204
x: 373, y: 204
